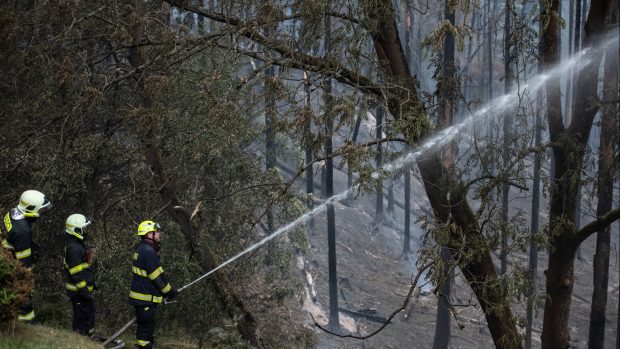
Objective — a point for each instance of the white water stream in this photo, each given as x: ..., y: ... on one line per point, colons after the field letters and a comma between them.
x: 497, y: 107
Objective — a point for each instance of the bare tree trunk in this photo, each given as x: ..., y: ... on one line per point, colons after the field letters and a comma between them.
x: 568, y: 157
x: 270, y: 137
x: 308, y: 154
x: 379, y: 163
x: 447, y: 92
x: 334, y: 321
x: 605, y: 189
x: 356, y: 129
x: 534, y: 227
x: 490, y: 11
x: 568, y: 97
x: 407, y: 237
x: 409, y: 23
x: 507, y: 135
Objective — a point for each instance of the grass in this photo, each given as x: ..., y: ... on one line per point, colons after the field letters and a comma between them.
x: 25, y: 336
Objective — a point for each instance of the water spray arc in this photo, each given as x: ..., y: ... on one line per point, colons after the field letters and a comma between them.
x: 496, y: 106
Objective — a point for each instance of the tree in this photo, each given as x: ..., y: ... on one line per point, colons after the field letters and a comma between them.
x: 568, y: 150
x: 448, y: 87
x: 605, y: 189
x: 409, y: 112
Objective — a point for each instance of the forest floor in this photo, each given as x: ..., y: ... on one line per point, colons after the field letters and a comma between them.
x: 373, y: 278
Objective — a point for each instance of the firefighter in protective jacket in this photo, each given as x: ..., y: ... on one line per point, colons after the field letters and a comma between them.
x: 79, y: 274
x: 17, y: 236
x: 149, y: 286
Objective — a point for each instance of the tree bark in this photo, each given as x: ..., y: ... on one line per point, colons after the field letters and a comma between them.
x: 534, y: 224
x: 334, y: 321
x: 308, y: 153
x: 480, y: 273
x: 507, y: 132
x: 605, y: 189
x: 447, y: 88
x: 379, y: 162
x: 568, y: 153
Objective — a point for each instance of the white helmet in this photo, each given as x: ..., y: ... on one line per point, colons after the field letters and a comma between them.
x: 31, y: 202
x: 75, y: 225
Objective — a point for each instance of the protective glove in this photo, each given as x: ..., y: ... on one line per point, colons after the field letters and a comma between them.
x: 172, y: 294
x: 86, y: 294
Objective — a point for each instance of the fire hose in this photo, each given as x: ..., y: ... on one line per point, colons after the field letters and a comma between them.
x: 289, y: 226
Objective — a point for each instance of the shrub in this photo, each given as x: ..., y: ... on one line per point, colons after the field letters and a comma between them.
x: 16, y: 282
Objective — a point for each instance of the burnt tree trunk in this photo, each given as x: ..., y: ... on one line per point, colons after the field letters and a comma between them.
x: 534, y: 224
x: 507, y: 132
x: 334, y: 321
x: 605, y: 189
x: 379, y: 163
x: 480, y: 272
x: 447, y: 88
x: 308, y: 152
x: 568, y: 151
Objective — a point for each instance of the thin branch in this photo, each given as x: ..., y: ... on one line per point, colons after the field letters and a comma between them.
x: 296, y: 59
x: 389, y: 319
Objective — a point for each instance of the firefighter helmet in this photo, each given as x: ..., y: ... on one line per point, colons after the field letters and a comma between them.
x: 76, y: 223
x: 147, y: 227
x: 31, y: 202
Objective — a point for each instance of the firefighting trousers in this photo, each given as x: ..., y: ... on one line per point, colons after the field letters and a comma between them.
x: 26, y: 311
x: 145, y: 316
x: 83, y: 315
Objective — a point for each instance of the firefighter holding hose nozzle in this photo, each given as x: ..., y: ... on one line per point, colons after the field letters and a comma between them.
x: 149, y: 286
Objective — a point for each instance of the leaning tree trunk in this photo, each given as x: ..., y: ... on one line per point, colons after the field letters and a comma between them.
x: 480, y: 272
x: 605, y: 189
x: 245, y: 321
x: 568, y: 150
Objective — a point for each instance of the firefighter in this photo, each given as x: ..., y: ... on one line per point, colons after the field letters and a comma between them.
x: 17, y: 237
x: 149, y: 286
x: 80, y: 276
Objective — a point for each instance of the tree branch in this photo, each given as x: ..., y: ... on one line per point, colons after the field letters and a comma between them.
x: 389, y: 319
x: 598, y: 225
x: 326, y: 65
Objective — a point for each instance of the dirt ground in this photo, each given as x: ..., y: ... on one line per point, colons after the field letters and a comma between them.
x: 374, y: 279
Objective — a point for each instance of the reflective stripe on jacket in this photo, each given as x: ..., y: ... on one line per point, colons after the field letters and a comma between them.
x: 79, y: 274
x: 149, y: 283
x: 17, y: 236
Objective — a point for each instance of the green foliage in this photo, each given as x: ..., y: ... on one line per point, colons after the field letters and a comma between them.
x: 16, y: 282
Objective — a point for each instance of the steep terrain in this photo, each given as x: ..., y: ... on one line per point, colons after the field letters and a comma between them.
x: 373, y: 278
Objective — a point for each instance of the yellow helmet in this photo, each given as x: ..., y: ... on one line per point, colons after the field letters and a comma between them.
x: 31, y: 202
x: 75, y: 225
x: 147, y: 227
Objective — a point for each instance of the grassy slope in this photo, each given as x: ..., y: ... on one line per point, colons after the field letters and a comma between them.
x: 41, y: 337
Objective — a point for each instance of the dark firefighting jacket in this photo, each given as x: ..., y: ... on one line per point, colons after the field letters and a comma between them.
x: 17, y: 237
x: 79, y: 274
x: 149, y: 284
